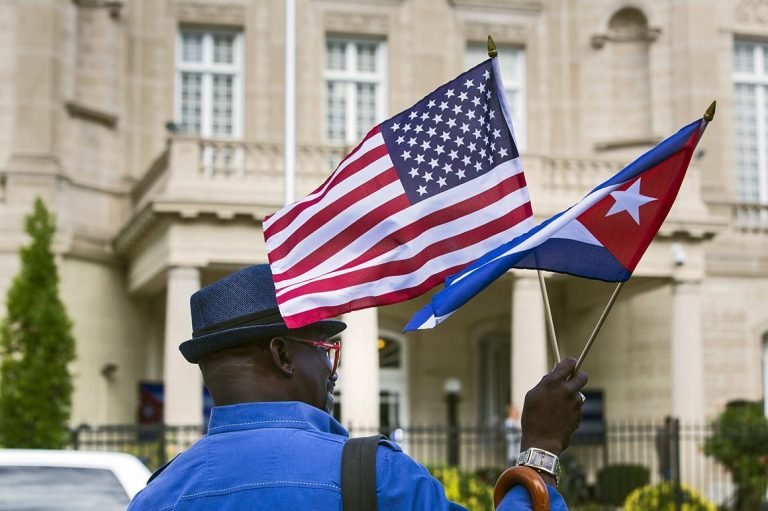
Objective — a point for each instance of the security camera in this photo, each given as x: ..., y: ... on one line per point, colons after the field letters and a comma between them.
x: 678, y: 254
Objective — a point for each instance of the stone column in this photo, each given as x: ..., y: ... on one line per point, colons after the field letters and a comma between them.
x: 529, y: 336
x: 687, y: 379
x: 359, y: 374
x: 183, y: 381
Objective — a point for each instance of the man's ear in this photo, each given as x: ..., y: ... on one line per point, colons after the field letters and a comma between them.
x: 280, y: 356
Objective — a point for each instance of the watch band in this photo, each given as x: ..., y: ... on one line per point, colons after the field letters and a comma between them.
x: 541, y: 460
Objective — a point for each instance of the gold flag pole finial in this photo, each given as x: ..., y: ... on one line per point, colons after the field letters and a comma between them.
x: 710, y: 113
x: 492, y: 48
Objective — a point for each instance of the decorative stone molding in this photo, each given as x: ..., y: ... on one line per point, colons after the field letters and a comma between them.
x: 357, y: 23
x: 217, y: 14
x: 624, y: 143
x: 519, y: 6
x: 650, y: 35
x: 113, y: 6
x: 501, y: 33
x: 752, y: 12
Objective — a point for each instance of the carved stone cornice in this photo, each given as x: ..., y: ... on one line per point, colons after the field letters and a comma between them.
x: 503, y: 33
x: 650, y: 35
x: 210, y: 13
x: 113, y: 6
x: 358, y: 23
x: 753, y: 12
x: 515, y: 6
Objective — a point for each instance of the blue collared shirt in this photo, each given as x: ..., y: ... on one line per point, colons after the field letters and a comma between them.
x: 287, y: 455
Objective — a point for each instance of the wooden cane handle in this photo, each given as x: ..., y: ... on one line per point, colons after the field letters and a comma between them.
x: 528, y: 478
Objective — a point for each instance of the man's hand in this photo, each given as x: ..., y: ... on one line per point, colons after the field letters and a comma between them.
x: 552, y: 409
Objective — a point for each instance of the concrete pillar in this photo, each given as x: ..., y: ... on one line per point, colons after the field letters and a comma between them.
x: 687, y: 381
x: 359, y: 374
x: 529, y: 336
x: 183, y: 381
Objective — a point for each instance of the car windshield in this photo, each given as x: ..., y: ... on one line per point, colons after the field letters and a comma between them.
x: 60, y: 488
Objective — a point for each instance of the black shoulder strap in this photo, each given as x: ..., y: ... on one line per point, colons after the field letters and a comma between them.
x: 358, y: 474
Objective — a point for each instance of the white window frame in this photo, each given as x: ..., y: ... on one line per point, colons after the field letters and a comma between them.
x: 351, y: 77
x: 207, y: 68
x: 478, y: 52
x: 759, y: 78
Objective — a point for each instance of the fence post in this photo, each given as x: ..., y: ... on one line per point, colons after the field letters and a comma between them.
x: 675, y: 456
x: 75, y: 438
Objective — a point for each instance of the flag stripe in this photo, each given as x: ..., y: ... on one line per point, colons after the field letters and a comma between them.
x: 379, y: 240
x: 470, y: 238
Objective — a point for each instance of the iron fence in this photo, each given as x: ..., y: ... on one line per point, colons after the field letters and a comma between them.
x: 594, y: 464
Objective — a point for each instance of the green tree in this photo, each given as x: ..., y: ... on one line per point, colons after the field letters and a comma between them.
x: 36, y: 346
x: 740, y: 443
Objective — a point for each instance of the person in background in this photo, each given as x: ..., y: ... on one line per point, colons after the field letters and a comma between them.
x: 272, y: 443
x: 513, y: 433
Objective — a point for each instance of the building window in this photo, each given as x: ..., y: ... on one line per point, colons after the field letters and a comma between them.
x: 512, y: 66
x: 495, y: 379
x: 750, y: 68
x: 355, y: 73
x: 209, y: 70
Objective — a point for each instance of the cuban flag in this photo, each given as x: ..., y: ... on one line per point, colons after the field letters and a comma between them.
x: 601, y: 237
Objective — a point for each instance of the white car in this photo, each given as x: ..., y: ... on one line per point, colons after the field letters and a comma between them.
x: 38, y: 479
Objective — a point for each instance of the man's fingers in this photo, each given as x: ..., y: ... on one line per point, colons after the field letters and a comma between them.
x: 563, y: 369
x: 577, y: 382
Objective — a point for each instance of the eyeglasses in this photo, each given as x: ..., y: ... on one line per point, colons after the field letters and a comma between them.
x: 331, y: 348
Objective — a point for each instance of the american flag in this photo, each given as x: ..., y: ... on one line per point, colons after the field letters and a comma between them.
x: 424, y: 194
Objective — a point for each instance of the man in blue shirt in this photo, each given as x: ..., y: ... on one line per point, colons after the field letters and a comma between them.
x: 271, y: 442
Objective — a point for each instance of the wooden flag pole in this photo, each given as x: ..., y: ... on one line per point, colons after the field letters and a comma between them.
x: 548, y: 314
x: 598, y: 327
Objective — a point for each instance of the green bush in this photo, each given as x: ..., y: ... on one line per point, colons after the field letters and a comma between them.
x: 464, y: 488
x: 740, y: 443
x: 615, y: 482
x: 661, y: 497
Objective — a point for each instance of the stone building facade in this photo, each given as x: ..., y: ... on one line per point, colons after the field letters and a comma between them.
x: 154, y: 130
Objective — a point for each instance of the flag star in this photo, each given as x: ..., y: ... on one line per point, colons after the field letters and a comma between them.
x: 440, y: 149
x: 406, y: 155
x: 456, y: 110
x: 464, y: 127
x: 400, y: 139
x: 463, y: 96
x: 459, y: 141
x: 472, y: 147
x: 395, y: 126
x: 496, y: 133
x: 453, y: 154
x: 427, y: 176
x: 425, y: 145
x: 451, y: 122
x: 431, y: 132
x: 488, y: 94
x: 450, y: 93
x: 476, y: 101
x: 493, y: 147
x: 431, y: 103
x: 469, y: 83
x: 443, y: 105
x: 482, y: 152
x: 466, y: 160
x: 481, y: 120
x: 407, y: 127
x: 471, y: 114
x: 629, y: 200
x: 419, y: 158
x: 487, y: 74
x: 438, y: 118
x: 413, y: 115
x: 424, y: 115
x: 478, y: 166
x: 460, y: 174
x: 411, y: 142
x: 492, y: 114
x: 433, y: 163
x: 477, y: 133
x: 485, y: 107
x: 480, y: 86
x: 419, y: 128
x: 447, y: 168
x: 441, y: 181
x: 445, y: 136
x: 414, y: 172
x: 422, y: 190
x: 503, y: 152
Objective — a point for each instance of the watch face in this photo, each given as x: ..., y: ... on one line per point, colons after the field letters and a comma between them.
x: 543, y: 460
